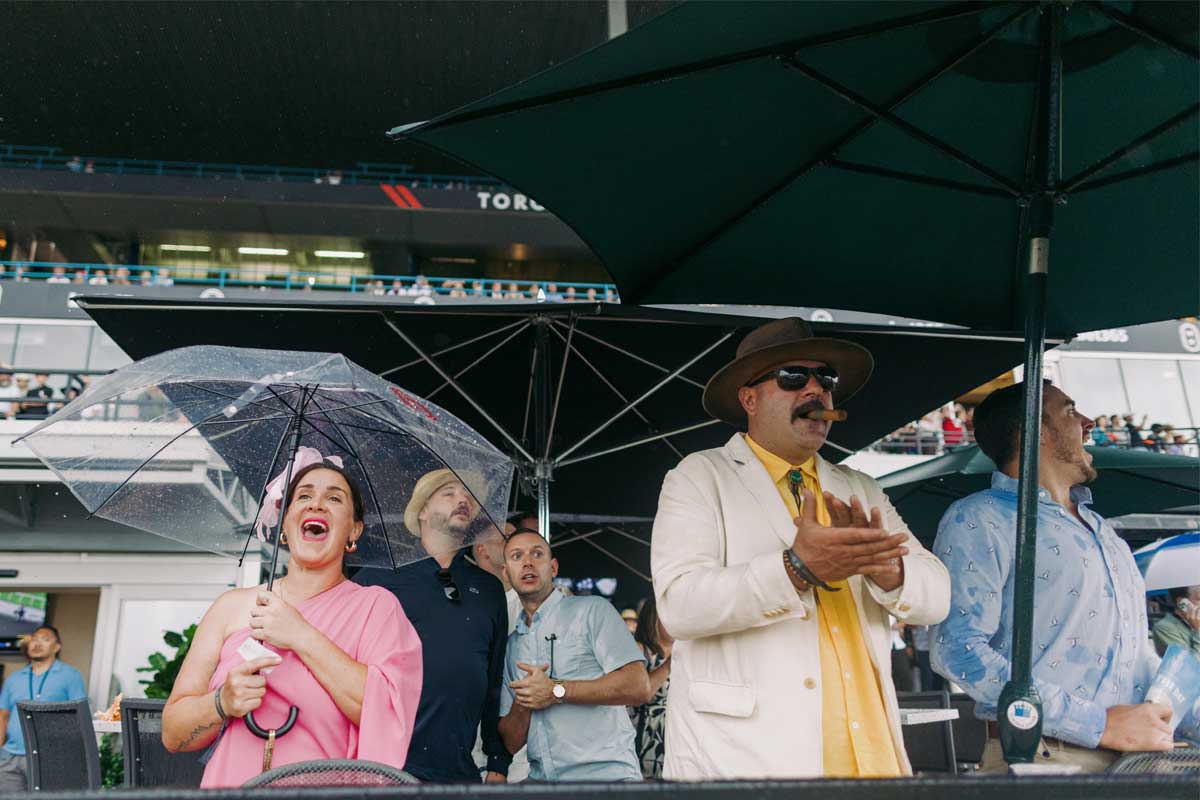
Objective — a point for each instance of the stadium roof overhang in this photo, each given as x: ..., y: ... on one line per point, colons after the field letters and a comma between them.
x: 297, y: 84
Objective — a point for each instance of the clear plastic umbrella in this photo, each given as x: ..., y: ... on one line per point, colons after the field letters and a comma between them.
x: 186, y: 444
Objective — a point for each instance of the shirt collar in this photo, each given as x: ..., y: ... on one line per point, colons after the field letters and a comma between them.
x: 1081, y: 495
x: 548, y: 605
x: 455, y: 563
x: 29, y: 667
x: 776, y: 467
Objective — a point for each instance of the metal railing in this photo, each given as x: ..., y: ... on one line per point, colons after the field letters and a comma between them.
x: 148, y: 275
x: 364, y: 172
x: 918, y: 442
x: 65, y: 385
x: 910, y: 441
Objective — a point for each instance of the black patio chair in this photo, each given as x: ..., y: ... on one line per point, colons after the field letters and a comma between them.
x: 930, y: 747
x: 147, y: 761
x: 334, y: 772
x: 60, y: 746
x: 1180, y: 761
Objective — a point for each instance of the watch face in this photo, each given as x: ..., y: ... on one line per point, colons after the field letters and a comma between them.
x: 560, y: 691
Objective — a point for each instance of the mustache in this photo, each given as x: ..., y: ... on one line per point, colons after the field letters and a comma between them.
x: 811, y: 405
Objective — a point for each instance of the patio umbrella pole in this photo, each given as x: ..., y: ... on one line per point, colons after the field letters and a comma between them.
x: 1019, y: 710
x: 296, y: 426
x: 541, y: 422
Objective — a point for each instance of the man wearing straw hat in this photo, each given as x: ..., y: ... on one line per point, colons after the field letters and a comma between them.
x: 460, y: 613
x: 776, y: 572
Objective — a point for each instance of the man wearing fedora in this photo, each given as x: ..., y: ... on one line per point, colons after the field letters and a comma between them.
x: 461, y: 616
x: 776, y: 572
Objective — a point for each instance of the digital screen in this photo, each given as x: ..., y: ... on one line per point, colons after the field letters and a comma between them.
x: 21, y: 613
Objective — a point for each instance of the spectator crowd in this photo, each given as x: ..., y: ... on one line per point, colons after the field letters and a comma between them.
x: 30, y: 396
x: 420, y: 287
x: 953, y: 425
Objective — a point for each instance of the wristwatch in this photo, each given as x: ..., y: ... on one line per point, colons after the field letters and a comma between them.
x: 559, y: 691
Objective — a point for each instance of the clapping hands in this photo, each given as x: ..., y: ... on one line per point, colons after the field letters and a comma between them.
x: 855, y: 544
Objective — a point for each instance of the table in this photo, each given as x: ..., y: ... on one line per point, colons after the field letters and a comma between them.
x: 103, y: 726
x: 924, y: 716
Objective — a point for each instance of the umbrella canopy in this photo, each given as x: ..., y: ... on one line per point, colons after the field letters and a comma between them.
x: 866, y: 156
x: 198, y: 445
x: 1170, y: 563
x: 1127, y: 482
x: 650, y: 363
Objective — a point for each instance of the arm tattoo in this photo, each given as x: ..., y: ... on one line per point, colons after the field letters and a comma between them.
x: 196, y: 733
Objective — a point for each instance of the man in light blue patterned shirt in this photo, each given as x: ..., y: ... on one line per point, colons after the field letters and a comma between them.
x: 571, y: 668
x: 1093, y: 659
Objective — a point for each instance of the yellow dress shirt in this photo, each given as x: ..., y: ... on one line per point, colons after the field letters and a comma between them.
x: 857, y: 738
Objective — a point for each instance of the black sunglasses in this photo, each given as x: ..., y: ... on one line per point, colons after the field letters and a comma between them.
x: 792, y: 379
x: 449, y: 588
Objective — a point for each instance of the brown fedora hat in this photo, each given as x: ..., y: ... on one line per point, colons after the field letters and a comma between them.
x: 775, y: 344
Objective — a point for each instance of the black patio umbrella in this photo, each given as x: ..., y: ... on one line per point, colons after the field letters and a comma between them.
x: 906, y: 157
x: 594, y: 402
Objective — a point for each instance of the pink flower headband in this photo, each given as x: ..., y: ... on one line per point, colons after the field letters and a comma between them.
x: 268, y: 514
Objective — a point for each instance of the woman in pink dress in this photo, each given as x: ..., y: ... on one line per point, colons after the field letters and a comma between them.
x: 347, y: 655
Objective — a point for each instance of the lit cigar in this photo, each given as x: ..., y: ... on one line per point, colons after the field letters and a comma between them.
x: 834, y: 415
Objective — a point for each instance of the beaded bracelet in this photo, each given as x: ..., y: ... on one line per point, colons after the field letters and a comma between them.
x: 805, y: 574
x: 791, y: 571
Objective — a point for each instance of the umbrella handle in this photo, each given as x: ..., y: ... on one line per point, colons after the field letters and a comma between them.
x: 293, y: 712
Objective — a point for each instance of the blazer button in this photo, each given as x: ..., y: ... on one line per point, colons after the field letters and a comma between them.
x: 809, y: 683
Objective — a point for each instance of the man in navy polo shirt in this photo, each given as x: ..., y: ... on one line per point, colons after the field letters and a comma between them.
x: 44, y: 680
x: 459, y: 611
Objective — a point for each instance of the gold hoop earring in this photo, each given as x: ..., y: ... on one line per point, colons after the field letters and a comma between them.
x: 283, y: 538
x: 351, y: 547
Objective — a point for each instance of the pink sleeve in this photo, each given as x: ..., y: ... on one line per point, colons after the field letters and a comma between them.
x: 391, y: 651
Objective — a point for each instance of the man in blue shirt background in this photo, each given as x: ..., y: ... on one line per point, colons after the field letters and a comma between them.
x: 45, y: 680
x: 1092, y: 657
x: 572, y: 667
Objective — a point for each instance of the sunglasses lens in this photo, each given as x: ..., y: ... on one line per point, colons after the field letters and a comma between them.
x: 827, y: 377
x: 450, y: 591
x: 792, y: 379
x: 796, y: 378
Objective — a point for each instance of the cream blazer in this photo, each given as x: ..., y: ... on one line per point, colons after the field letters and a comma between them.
x: 745, y: 696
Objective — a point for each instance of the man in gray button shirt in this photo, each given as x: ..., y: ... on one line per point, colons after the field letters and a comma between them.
x: 571, y: 668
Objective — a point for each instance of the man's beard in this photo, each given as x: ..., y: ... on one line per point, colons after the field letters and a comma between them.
x: 450, y: 525
x: 1066, y: 452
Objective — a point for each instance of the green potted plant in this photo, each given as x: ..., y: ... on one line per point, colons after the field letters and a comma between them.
x: 159, y: 686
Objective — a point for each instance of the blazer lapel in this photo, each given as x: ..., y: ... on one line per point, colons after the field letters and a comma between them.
x: 832, y: 481
x: 754, y: 477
